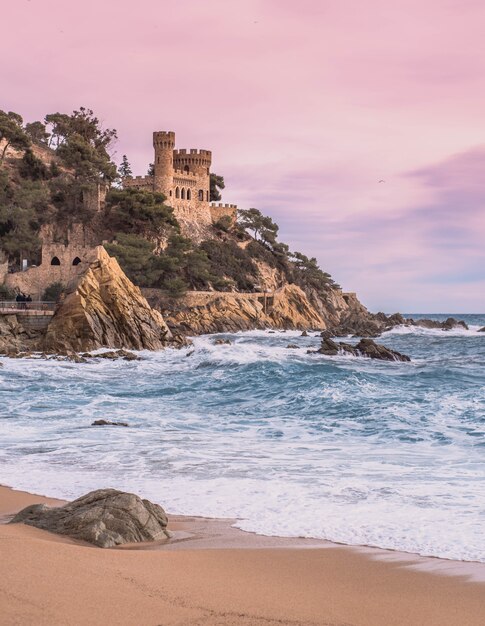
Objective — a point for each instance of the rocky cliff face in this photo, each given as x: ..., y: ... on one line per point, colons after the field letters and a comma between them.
x: 14, y: 337
x: 105, y: 310
x: 286, y: 308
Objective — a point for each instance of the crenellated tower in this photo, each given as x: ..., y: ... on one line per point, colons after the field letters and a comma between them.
x: 183, y: 176
x: 163, y: 144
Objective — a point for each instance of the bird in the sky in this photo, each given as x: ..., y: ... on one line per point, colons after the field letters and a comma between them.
x: 382, y: 181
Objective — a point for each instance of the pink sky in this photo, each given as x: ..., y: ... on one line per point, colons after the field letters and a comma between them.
x: 306, y: 105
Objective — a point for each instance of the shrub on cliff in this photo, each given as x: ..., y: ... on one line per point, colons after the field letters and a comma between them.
x: 140, y: 212
x: 229, y: 261
x: 22, y: 211
x: 53, y: 292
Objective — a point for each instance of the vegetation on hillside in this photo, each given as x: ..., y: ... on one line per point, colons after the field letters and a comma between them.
x: 66, y: 156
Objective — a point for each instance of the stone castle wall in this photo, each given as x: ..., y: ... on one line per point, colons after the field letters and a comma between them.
x: 63, y: 261
x: 183, y: 176
x: 218, y: 210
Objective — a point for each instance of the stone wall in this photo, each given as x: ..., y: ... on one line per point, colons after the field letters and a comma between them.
x: 62, y: 262
x: 219, y: 210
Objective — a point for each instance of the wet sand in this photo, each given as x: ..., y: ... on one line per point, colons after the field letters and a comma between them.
x: 213, y: 574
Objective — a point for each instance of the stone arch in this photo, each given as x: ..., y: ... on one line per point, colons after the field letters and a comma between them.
x: 182, y: 194
x: 76, y: 261
x: 55, y: 260
x: 177, y: 192
x: 201, y: 195
x: 189, y: 195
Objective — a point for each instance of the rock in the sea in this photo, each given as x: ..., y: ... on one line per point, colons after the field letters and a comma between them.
x: 365, y: 347
x: 105, y: 310
x: 108, y: 423
x: 304, y: 334
x: 105, y: 518
x: 293, y: 346
x: 481, y: 330
x: 448, y: 324
x: 222, y: 342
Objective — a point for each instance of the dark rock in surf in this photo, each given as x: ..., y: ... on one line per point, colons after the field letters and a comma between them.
x: 222, y: 342
x: 365, y: 348
x: 108, y: 423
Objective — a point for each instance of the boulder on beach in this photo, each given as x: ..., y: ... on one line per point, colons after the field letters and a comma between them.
x: 105, y: 518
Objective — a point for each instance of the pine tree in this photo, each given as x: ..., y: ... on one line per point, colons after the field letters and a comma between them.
x: 124, y: 169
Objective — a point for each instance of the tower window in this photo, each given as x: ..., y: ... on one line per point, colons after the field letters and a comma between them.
x: 189, y: 195
x: 177, y: 192
x: 55, y: 261
x: 76, y: 261
x: 186, y: 168
x: 183, y: 194
x: 201, y: 195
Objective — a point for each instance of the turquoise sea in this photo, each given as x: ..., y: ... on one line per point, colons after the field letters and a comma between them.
x: 287, y: 443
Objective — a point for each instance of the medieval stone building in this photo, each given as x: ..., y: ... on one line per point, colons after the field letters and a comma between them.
x: 183, y: 176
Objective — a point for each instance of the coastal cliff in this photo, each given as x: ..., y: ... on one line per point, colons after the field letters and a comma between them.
x: 287, y: 307
x: 105, y: 310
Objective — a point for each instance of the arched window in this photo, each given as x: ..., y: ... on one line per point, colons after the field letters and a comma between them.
x: 186, y: 168
x: 183, y: 194
x: 177, y: 192
x: 170, y: 192
x: 201, y: 195
x: 189, y: 195
x: 55, y: 261
x: 76, y: 261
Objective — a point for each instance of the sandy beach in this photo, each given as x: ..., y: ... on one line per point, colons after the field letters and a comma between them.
x: 213, y: 574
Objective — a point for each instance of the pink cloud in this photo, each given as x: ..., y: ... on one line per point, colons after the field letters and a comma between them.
x: 305, y: 105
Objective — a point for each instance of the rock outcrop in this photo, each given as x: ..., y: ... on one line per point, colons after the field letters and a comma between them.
x: 286, y: 308
x: 105, y: 518
x: 449, y: 324
x: 365, y: 348
x: 373, y: 325
x: 14, y: 337
x: 105, y: 310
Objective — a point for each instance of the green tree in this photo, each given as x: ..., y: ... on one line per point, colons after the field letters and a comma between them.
x: 216, y: 184
x: 124, y: 169
x: 307, y: 273
x: 37, y: 133
x: 32, y: 167
x: 53, y: 292
x: 12, y: 133
x: 22, y: 212
x: 262, y: 227
x: 59, y: 124
x: 139, y: 211
x: 151, y: 169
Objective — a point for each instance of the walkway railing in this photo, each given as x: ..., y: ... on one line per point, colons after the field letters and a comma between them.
x: 13, y: 305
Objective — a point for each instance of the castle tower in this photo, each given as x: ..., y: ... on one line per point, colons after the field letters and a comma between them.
x: 196, y: 162
x: 163, y: 143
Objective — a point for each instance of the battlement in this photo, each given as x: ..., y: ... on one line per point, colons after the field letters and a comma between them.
x: 182, y: 152
x: 164, y: 139
x: 184, y: 174
x: 221, y: 205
